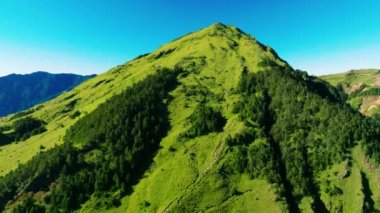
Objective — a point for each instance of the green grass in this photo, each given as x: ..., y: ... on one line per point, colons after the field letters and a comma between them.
x: 181, y: 170
x: 306, y: 205
x: 184, y: 173
x: 341, y: 188
x: 360, y: 80
x: 355, y: 102
x: 371, y: 171
x: 257, y: 196
x: 364, y: 76
x: 223, y: 68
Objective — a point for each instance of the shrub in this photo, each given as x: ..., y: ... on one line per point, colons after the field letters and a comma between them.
x: 27, y: 127
x: 205, y: 120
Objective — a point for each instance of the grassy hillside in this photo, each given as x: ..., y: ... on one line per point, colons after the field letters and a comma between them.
x: 353, y: 77
x: 362, y: 87
x: 221, y: 68
x: 245, y: 132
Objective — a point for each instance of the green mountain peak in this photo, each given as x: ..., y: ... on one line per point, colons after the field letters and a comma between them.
x: 217, y: 52
x: 213, y: 121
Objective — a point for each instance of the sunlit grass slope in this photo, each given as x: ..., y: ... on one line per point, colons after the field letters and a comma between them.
x: 185, y: 176
x: 220, y: 73
x: 352, y: 77
x: 363, y: 87
x: 181, y: 172
x: 216, y: 57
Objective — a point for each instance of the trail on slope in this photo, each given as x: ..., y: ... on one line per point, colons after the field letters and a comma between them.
x: 215, y: 158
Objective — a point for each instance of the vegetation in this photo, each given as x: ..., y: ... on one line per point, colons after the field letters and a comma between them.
x: 28, y: 205
x: 75, y: 114
x: 21, y: 129
x: 294, y: 125
x: 118, y: 141
x: 266, y: 138
x: 362, y: 87
x: 27, y: 127
x: 23, y: 113
x: 205, y: 120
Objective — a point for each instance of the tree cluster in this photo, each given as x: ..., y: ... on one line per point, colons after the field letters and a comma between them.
x: 204, y: 120
x: 27, y: 127
x: 304, y: 127
x: 104, y: 153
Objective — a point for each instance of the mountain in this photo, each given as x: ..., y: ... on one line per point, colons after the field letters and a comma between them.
x: 20, y: 92
x: 213, y: 121
x: 362, y: 87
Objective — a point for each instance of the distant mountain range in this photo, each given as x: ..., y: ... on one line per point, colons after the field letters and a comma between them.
x: 19, y: 92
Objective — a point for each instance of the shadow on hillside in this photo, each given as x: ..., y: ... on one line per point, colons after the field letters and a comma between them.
x: 368, y: 203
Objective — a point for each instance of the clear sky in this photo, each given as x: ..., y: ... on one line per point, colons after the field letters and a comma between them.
x: 91, y: 36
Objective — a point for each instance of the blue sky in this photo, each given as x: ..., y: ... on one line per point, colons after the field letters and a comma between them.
x: 91, y: 36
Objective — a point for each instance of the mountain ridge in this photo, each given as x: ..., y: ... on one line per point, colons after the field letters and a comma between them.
x: 272, y: 138
x: 362, y: 87
x: 21, y: 91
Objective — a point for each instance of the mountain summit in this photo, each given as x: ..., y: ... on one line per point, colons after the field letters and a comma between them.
x: 211, y: 122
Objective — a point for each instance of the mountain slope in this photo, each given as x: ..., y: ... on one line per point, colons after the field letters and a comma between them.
x: 362, y: 87
x: 237, y: 130
x: 190, y: 50
x: 20, y: 92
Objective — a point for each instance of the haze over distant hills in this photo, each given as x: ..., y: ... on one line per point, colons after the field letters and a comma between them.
x: 19, y: 92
